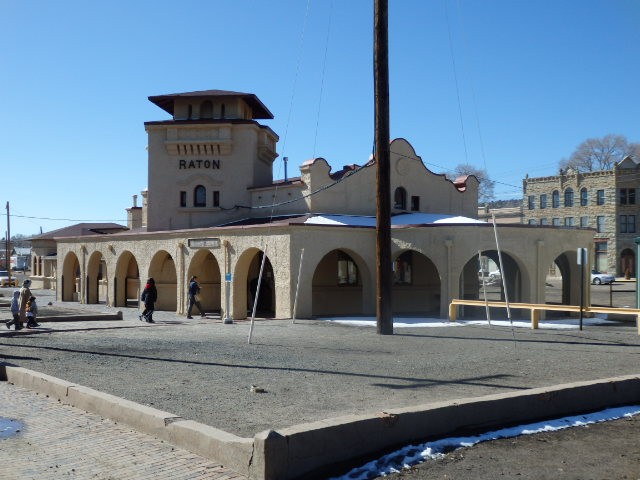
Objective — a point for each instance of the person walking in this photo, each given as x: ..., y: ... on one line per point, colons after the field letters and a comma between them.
x: 194, y: 291
x: 149, y: 297
x: 25, y: 295
x: 15, y: 311
x: 32, y: 313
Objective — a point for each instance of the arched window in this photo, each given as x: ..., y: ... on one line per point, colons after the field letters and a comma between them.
x: 206, y: 110
x: 199, y: 196
x: 584, y: 196
x: 555, y: 199
x: 400, y: 199
x: 568, y: 197
x: 347, y: 269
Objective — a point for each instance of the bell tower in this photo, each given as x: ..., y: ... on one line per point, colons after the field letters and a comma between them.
x: 202, y: 161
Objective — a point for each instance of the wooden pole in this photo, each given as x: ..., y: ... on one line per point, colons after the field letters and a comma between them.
x: 7, y: 258
x: 384, y: 315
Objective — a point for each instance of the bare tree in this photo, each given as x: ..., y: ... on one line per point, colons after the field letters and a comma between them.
x: 485, y: 189
x: 600, y: 153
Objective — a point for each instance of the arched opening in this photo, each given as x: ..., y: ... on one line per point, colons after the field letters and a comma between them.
x: 628, y: 263
x: 163, y: 271
x: 245, y: 282
x: 400, y: 199
x: 206, y: 109
x: 126, y: 282
x: 416, y: 285
x: 483, y: 278
x: 96, y: 281
x: 337, y: 285
x: 205, y: 266
x: 568, y: 197
x: 559, y: 277
x: 199, y: 196
x: 71, y: 278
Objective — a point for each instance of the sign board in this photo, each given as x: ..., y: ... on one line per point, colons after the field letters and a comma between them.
x: 227, y: 277
x: 204, y: 243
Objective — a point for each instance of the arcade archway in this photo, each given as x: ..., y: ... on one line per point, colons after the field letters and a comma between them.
x: 71, y: 278
x: 163, y: 271
x: 416, y: 285
x: 205, y: 266
x: 337, y: 285
x: 126, y: 282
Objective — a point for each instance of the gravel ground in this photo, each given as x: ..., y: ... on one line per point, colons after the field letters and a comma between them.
x: 202, y: 370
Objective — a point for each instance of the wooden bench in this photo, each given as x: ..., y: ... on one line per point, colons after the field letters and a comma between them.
x: 536, y: 308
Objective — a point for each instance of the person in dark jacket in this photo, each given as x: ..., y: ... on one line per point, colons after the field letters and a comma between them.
x: 192, y: 293
x: 149, y: 297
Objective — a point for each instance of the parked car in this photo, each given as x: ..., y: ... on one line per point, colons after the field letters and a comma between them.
x: 490, y: 277
x: 598, y: 278
x: 4, y: 279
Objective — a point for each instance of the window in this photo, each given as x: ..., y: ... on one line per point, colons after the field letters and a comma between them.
x: 222, y: 112
x: 600, y: 197
x: 415, y: 203
x: 627, y: 196
x: 544, y: 221
x: 568, y: 221
x: 216, y: 198
x: 601, y: 256
x: 532, y: 202
x: 532, y: 221
x: 543, y: 200
x: 600, y: 224
x: 555, y: 199
x: 584, y: 222
x: 584, y: 197
x: 400, y: 199
x: 568, y: 197
x: 347, y: 270
x: 402, y: 269
x: 556, y: 222
x: 183, y: 199
x: 627, y: 224
x: 199, y: 196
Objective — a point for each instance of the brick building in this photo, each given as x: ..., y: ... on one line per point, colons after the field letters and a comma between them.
x: 604, y: 200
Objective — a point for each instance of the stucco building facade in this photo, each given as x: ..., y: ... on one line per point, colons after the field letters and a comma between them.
x: 213, y: 209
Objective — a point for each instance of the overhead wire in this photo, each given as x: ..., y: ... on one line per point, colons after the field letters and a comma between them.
x: 455, y: 76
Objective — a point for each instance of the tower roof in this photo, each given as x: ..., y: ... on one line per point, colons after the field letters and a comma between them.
x: 166, y: 102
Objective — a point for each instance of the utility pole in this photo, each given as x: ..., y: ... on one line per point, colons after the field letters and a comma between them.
x: 7, y: 260
x: 384, y: 314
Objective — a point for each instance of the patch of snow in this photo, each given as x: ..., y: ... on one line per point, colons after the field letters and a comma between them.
x: 414, y: 454
x: 403, y: 219
x: 418, y: 322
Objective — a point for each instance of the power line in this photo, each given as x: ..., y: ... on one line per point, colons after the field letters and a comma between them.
x: 62, y: 219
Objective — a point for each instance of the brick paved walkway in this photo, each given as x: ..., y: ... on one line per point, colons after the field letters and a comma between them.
x: 58, y: 441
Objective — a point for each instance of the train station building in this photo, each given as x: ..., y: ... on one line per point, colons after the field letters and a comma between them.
x: 213, y: 209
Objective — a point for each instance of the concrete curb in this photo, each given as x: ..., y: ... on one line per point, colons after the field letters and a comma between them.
x: 303, y: 450
x: 76, y: 318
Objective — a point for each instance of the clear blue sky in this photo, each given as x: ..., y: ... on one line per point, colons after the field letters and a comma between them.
x: 532, y: 79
